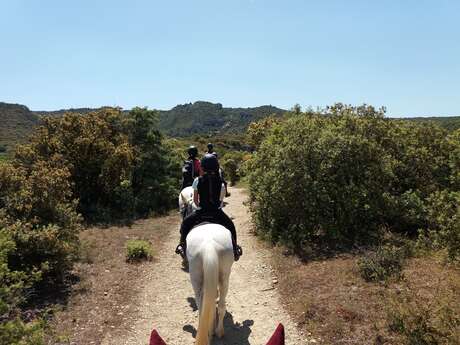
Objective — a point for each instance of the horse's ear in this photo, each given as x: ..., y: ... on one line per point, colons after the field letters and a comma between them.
x: 277, y: 337
x: 155, y: 339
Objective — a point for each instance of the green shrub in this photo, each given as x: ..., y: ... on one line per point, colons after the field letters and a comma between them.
x: 37, y: 210
x: 443, y: 209
x: 338, y: 176
x: 453, y: 148
x: 315, y: 177
x: 2, y: 148
x: 138, y: 250
x: 106, y: 165
x: 12, y: 286
x: 156, y: 173
x: 230, y: 167
x: 117, y: 163
x: 258, y: 131
x: 425, y: 323
x: 385, y: 262
x: 95, y: 150
x: 17, y: 332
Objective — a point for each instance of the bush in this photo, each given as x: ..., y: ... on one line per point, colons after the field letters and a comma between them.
x: 420, y: 323
x: 385, y: 262
x: 453, y: 148
x: 95, y: 150
x: 338, y: 176
x: 443, y: 209
x: 155, y: 177
x: 331, y: 186
x: 2, y: 148
x: 37, y: 211
x: 230, y: 167
x: 16, y: 332
x: 12, y: 286
x: 39, y: 229
x: 117, y: 164
x: 258, y: 131
x: 137, y: 250
x: 106, y: 165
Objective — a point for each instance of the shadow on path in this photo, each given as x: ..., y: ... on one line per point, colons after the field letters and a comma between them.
x: 191, y: 301
x: 235, y: 333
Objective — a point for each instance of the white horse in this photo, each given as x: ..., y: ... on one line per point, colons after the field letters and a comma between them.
x: 186, y: 204
x: 210, y: 258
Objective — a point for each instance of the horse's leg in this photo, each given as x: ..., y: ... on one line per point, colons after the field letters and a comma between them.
x: 196, y: 277
x: 221, y: 307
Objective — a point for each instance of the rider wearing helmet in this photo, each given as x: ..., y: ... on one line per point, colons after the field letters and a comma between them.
x: 211, y: 150
x: 207, y: 195
x: 191, y: 168
x: 221, y: 172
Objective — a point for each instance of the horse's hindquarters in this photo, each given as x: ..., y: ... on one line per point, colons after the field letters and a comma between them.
x: 210, y: 256
x: 215, y: 234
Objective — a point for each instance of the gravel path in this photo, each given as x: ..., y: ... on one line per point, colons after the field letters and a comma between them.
x: 166, y: 301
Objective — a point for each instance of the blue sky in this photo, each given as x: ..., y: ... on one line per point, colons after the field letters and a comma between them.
x: 404, y: 55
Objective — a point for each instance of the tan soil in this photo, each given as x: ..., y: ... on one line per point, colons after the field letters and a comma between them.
x: 165, y: 300
x: 100, y: 301
x: 332, y: 301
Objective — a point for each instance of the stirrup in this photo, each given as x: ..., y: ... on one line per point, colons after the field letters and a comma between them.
x: 237, y: 252
x: 180, y: 250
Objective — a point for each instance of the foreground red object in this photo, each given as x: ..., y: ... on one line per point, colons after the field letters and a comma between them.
x: 155, y: 339
x: 276, y: 339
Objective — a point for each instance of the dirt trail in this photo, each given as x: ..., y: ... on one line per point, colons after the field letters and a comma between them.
x: 166, y: 301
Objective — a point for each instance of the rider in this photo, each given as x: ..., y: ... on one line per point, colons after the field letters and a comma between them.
x: 211, y: 150
x: 192, y: 167
x: 221, y: 172
x: 207, y: 196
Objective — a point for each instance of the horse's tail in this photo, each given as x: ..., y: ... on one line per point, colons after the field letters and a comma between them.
x: 209, y: 296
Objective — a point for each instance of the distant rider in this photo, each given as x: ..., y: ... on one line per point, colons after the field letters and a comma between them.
x: 191, y: 168
x: 207, y: 197
x: 211, y: 150
x: 221, y: 172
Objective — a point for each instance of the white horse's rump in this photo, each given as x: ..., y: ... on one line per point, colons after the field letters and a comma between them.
x: 210, y: 257
x: 186, y: 204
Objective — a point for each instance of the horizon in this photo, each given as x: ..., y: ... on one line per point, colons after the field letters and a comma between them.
x: 244, y: 53
x: 223, y: 105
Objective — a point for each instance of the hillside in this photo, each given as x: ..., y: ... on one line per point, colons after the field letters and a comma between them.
x: 205, y: 117
x: 60, y: 112
x: 16, y: 123
x: 197, y: 118
x: 451, y: 123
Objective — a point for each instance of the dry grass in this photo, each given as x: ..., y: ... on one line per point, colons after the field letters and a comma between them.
x: 334, y: 303
x: 100, y: 301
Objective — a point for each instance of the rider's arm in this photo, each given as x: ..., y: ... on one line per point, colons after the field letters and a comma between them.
x: 198, y: 167
x: 196, y: 195
x: 222, y: 192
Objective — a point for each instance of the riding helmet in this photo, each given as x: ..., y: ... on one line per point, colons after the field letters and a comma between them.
x: 209, y: 163
x: 192, y: 151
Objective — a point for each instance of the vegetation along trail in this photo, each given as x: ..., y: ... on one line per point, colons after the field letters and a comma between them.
x: 166, y: 300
